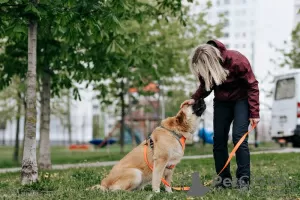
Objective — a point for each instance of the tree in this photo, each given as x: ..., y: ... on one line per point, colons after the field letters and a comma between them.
x: 29, y: 172
x: 45, y: 157
x: 291, y: 56
x: 150, y: 50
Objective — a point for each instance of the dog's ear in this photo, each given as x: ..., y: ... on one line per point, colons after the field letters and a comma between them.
x: 180, y: 118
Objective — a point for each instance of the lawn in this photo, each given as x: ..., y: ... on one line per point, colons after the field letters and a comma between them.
x: 274, y: 176
x: 62, y: 155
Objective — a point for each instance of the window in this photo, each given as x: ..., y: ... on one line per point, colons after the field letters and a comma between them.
x: 226, y: 2
x: 241, y: 12
x: 244, y: 45
x: 244, y: 34
x: 241, y: 23
x: 227, y: 46
x: 237, y: 35
x: 226, y: 23
x: 218, y: 3
x: 285, y: 89
x: 226, y: 35
x: 209, y: 15
x: 223, y: 13
x: 241, y: 1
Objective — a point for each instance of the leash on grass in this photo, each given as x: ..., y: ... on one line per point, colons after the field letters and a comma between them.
x: 208, y: 183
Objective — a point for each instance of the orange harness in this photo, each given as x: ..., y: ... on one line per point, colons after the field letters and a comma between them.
x: 182, y: 142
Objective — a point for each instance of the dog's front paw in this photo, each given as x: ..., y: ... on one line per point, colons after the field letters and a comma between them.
x: 157, y: 190
x: 168, y: 189
x: 142, y: 188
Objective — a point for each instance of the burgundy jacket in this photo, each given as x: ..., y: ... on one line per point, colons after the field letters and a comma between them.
x: 240, y: 83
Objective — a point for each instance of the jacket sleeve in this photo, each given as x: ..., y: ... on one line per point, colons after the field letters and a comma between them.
x: 200, y: 92
x: 245, y: 71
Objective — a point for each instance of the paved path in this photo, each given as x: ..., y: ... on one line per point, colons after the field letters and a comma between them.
x: 110, y: 163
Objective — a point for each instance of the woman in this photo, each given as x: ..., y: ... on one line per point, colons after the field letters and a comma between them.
x: 229, y: 74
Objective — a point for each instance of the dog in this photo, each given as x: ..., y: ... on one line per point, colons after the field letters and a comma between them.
x: 164, y: 150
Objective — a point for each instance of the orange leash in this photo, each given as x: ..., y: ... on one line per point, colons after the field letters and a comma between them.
x: 226, y: 164
x: 233, y: 151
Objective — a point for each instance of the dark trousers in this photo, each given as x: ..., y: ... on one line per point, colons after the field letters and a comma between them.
x: 224, y: 114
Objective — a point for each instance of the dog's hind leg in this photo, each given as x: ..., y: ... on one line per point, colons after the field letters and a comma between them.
x: 158, y: 170
x: 130, y: 180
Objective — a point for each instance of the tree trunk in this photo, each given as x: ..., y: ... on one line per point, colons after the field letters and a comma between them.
x: 3, y: 136
x: 29, y: 171
x: 131, y: 127
x: 69, y: 125
x: 122, y: 127
x: 96, y: 126
x: 24, y: 125
x: 16, y: 150
x: 45, y: 155
x: 162, y: 102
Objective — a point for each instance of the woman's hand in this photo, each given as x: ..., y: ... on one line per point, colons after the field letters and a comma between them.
x: 189, y: 102
x: 254, y: 121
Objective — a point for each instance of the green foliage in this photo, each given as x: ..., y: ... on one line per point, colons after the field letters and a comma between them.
x: 9, y: 98
x: 83, y: 40
x: 291, y: 57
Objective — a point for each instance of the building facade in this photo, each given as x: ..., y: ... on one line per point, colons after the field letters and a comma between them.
x: 239, y: 30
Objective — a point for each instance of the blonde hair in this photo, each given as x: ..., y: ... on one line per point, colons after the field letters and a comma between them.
x: 205, y: 62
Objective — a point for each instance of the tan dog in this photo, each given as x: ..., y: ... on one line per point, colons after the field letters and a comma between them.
x: 133, y: 173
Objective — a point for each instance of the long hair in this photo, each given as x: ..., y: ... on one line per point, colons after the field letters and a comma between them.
x: 205, y: 61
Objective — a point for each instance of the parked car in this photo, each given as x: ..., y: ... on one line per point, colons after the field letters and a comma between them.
x: 285, y: 123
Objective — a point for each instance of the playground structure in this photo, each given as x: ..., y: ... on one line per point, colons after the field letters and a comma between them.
x: 144, y: 113
x: 142, y: 117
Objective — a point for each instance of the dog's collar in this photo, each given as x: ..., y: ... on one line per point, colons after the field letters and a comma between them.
x: 181, y: 139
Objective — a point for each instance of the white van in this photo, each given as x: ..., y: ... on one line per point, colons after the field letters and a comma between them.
x: 285, y: 123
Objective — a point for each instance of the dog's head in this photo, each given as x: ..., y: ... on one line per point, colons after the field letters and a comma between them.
x: 189, y: 114
x: 186, y: 120
x: 194, y: 111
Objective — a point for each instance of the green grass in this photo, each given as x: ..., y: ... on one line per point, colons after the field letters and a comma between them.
x: 62, y: 155
x: 282, y: 171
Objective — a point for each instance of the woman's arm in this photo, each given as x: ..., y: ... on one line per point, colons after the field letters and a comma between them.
x: 200, y: 92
